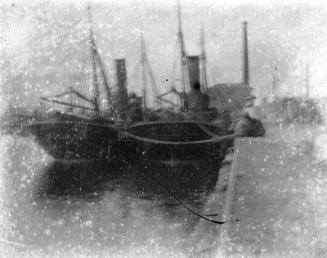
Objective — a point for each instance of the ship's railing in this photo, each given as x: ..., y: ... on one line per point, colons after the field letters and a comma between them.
x: 123, y: 132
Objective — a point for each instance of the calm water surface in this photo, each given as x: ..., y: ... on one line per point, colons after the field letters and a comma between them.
x: 91, y: 209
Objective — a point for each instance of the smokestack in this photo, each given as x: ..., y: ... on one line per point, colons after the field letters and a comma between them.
x: 203, y: 69
x: 246, y: 78
x: 193, y: 65
x: 122, y: 96
x: 121, y: 73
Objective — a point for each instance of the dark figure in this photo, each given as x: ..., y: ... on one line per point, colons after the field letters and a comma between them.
x: 248, y: 126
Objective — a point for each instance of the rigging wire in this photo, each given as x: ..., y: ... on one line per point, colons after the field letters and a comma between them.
x: 208, y: 141
x: 156, y: 181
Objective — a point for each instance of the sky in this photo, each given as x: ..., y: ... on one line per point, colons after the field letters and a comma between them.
x: 44, y: 43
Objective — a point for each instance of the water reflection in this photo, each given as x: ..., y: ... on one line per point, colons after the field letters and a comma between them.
x: 91, y: 206
x: 82, y: 179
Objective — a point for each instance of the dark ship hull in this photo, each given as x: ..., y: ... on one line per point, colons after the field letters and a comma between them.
x: 75, y: 139
x: 177, y: 154
x: 174, y: 142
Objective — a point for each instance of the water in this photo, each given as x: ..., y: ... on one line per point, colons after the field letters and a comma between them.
x: 91, y: 209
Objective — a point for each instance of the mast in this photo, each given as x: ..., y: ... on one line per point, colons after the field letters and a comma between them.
x: 143, y: 63
x: 307, y: 82
x: 96, y: 92
x: 203, y: 72
x: 274, y: 83
x: 104, y: 77
x: 182, y: 49
x: 246, y: 78
x: 147, y: 70
x: 182, y: 67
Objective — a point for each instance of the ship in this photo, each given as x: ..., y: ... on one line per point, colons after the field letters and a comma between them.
x: 80, y: 131
x: 190, y: 131
x: 130, y: 131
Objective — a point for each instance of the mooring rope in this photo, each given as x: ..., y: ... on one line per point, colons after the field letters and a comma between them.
x: 172, y: 195
x: 212, y: 140
x: 215, y: 138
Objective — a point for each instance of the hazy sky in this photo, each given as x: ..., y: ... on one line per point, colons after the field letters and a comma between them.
x: 49, y: 38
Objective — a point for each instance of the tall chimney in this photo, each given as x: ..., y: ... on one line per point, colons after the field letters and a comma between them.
x: 274, y: 83
x: 122, y: 96
x: 193, y: 65
x: 203, y: 68
x: 307, y: 82
x: 246, y: 78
